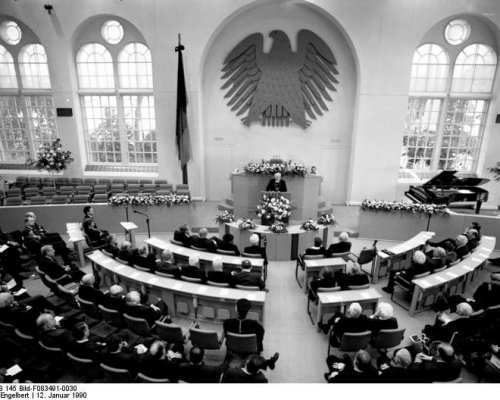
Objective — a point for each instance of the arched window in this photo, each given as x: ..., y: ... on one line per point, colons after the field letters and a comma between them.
x: 27, y: 112
x: 116, y: 81
x: 447, y: 106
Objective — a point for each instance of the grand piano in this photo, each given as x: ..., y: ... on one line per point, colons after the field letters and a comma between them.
x: 446, y: 188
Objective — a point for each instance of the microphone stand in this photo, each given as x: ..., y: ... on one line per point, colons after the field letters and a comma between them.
x: 264, y: 241
x: 126, y: 211
x: 147, y: 221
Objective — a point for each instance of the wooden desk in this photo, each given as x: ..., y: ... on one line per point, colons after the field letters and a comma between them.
x: 454, y: 279
x: 184, y: 299
x: 313, y: 267
x: 403, y: 253
x: 130, y: 227
x: 329, y: 303
x: 182, y: 255
x: 78, y: 239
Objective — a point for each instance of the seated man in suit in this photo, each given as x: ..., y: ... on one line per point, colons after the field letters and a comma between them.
x: 355, y: 277
x: 276, y: 184
x: 126, y: 253
x: 165, y: 264
x: 352, y: 321
x: 472, y: 236
x: 486, y: 295
x: 183, y: 235
x: 112, y: 245
x: 419, y: 266
x: 193, y: 270
x: 326, y: 280
x: 317, y: 249
x: 344, y: 370
x: 151, y: 313
x: 445, y: 325
x: 462, y: 250
x: 438, y: 259
x: 118, y: 354
x: 382, y: 319
x: 249, y: 372
x: 246, y: 277
x: 114, y: 299
x: 217, y: 274
x: 62, y: 274
x: 51, y: 334
x: 397, y: 370
x: 255, y: 248
x: 88, y: 292
x: 10, y: 259
x: 440, y: 365
x: 202, y: 242
x: 228, y: 245
x: 144, y: 259
x: 195, y: 371
x: 159, y: 363
x: 84, y: 346
x: 90, y: 228
x: 342, y: 246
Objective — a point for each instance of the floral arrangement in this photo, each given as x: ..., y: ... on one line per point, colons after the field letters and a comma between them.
x: 429, y: 209
x: 51, y: 158
x: 278, y: 227
x: 274, y: 208
x: 272, y: 166
x: 310, y: 225
x: 149, y: 199
x: 495, y: 171
x: 327, y: 219
x: 226, y: 216
x: 246, y: 224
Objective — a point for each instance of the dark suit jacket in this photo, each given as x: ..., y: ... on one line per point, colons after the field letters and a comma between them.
x: 159, y: 368
x: 248, y: 279
x: 199, y: 373
x: 342, y: 324
x: 219, y: 277
x: 57, y: 338
x: 168, y: 268
x: 432, y: 371
x: 51, y: 267
x: 204, y: 243
x: 229, y: 247
x: 346, y: 280
x: 113, y: 303
x: 339, y: 247
x: 90, y: 294
x: 376, y: 324
x: 398, y: 375
x: 142, y: 311
x: 21, y: 317
x: 125, y: 255
x: 312, y: 251
x: 111, y: 248
x: 183, y: 238
x: 91, y: 229
x: 236, y: 375
x: 256, y: 250
x: 194, y: 272
x: 245, y: 326
x: 146, y: 262
x: 462, y: 251
x: 123, y: 359
x: 272, y: 186
x: 324, y: 282
x: 88, y: 349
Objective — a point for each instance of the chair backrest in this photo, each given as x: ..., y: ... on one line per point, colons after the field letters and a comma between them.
x: 144, y: 269
x: 133, y: 188
x: 66, y: 190
x: 59, y: 199
x: 243, y: 287
x: 313, y: 256
x: 25, y: 338
x: 218, y: 284
x: 166, y: 186
x: 387, y: 338
x: 198, y: 248
x: 13, y: 201
x: 329, y: 289
x: 141, y: 378
x: 344, y: 255
x: 241, y: 343
x: 115, y: 375
x: 85, y: 366
x: 439, y: 269
x: 122, y: 261
x: 189, y: 279
x: 137, y: 325
x: 90, y: 182
x: 226, y: 252
x: 354, y: 341
x: 100, y: 198
x: 176, y: 242
x: 37, y: 200
x: 76, y: 181
x: 422, y: 275
x: 456, y: 380
x: 366, y: 256
x: 452, y: 264
x: 250, y: 255
x: 112, y: 317
x: 492, y: 312
x: 80, y: 198
x: 160, y: 182
x: 100, y: 189
x: 164, y: 274
x: 171, y: 333
x: 206, y: 339
x: 181, y: 186
x: 107, y: 253
x: 34, y: 181
x: 117, y: 188
x: 106, y: 182
x: 89, y: 308
x: 52, y: 351
x: 16, y: 192
x: 162, y: 192
x: 28, y: 192
x: 354, y: 287
x: 49, y: 191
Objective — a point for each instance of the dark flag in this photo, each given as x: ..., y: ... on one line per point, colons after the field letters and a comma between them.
x: 181, y: 125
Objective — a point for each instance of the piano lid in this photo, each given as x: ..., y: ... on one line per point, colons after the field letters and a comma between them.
x: 448, y: 179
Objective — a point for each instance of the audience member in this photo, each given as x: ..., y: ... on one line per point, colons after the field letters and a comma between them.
x: 418, y: 266
x: 51, y: 334
x: 228, y: 245
x: 344, y: 370
x: 112, y: 245
x: 249, y: 372
x: 397, y: 369
x: 317, y: 249
x: 150, y: 313
x: 62, y: 274
x: 352, y: 321
x: 246, y: 277
x: 342, y: 246
x: 440, y: 365
x: 325, y: 280
x: 355, y: 277
x: 83, y: 346
x: 159, y: 363
x: 90, y: 227
x: 472, y: 236
x: 462, y: 250
x: 217, y: 274
x: 114, y: 299
x: 144, y: 259
x: 382, y: 319
x: 438, y: 259
x: 202, y: 242
x: 195, y: 371
x: 255, y: 248
x: 126, y: 254
x: 166, y: 265
x: 87, y: 290
x: 445, y: 325
x: 183, y: 235
x: 193, y: 270
x: 118, y: 354
x: 242, y: 325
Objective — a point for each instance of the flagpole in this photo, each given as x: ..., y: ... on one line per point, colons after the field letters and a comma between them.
x: 182, y: 131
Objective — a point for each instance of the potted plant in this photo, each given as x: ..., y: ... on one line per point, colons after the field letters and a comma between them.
x: 496, y: 173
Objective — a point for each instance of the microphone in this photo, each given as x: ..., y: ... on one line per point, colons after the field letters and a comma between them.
x: 139, y: 212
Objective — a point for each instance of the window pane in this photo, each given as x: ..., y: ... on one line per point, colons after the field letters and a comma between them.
x: 13, y: 134
x: 430, y: 69
x: 134, y: 67
x: 10, y: 32
x: 474, y: 70
x: 95, y: 67
x: 33, y: 67
x: 8, y: 78
x: 112, y: 32
x: 419, y: 138
x: 41, y: 119
x: 141, y: 127
x: 101, y: 128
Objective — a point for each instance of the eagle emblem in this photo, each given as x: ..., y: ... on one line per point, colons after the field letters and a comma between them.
x: 281, y: 86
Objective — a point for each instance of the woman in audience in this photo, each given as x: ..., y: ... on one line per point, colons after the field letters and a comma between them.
x: 382, y: 319
x: 326, y: 280
x: 217, y: 274
x: 125, y: 254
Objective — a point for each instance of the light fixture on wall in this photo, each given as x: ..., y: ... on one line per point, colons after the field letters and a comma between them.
x: 49, y: 8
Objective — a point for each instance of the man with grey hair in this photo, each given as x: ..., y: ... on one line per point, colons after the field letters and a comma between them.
x: 166, y: 264
x: 396, y: 370
x: 50, y: 266
x: 217, y: 274
x: 114, y: 299
x: 51, y: 334
x: 352, y: 321
x: 246, y: 277
x: 419, y: 266
x: 342, y: 246
x: 202, y: 241
x: 382, y: 319
x: 255, y: 247
x: 150, y: 313
x: 355, y: 277
x: 193, y: 269
x: 345, y: 370
x: 276, y: 184
x: 88, y: 292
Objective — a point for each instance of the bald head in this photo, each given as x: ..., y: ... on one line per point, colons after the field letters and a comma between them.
x: 133, y: 298
x: 203, y: 233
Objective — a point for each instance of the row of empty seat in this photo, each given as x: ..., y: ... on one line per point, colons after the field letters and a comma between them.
x: 23, y: 181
